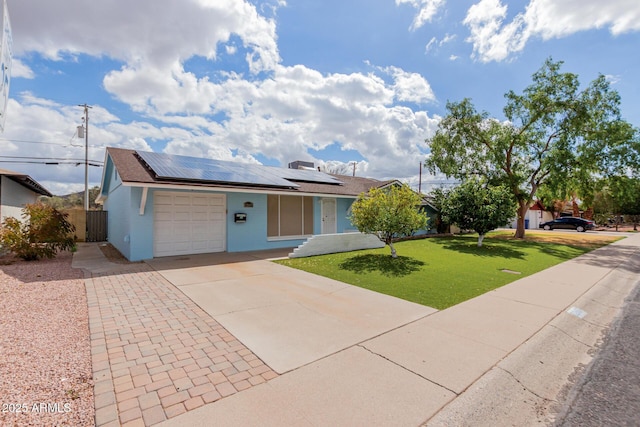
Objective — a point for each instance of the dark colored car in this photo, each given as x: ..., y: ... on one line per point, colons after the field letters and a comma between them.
x: 568, y: 222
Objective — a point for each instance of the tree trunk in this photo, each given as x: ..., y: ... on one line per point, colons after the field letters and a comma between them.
x: 523, y: 207
x: 480, y: 239
x: 393, y: 250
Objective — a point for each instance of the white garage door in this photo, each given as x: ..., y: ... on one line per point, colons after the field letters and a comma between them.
x: 185, y: 223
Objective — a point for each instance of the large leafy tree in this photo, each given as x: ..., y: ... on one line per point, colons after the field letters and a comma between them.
x: 555, y: 134
x: 474, y: 205
x: 389, y: 213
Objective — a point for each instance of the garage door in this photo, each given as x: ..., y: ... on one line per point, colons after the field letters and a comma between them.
x: 185, y: 223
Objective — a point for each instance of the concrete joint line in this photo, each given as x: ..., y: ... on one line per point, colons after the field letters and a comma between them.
x: 574, y: 338
x: 524, y: 302
x: 546, y: 400
x: 613, y: 307
x: 409, y: 370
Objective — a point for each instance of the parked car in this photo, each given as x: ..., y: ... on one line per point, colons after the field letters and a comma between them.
x: 578, y: 224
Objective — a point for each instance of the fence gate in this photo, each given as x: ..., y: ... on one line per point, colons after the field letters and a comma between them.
x: 96, y: 226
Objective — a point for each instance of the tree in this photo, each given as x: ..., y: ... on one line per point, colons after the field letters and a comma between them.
x: 73, y: 200
x: 474, y: 205
x: 555, y: 135
x: 620, y: 195
x: 44, y: 232
x: 388, y: 213
x: 439, y: 195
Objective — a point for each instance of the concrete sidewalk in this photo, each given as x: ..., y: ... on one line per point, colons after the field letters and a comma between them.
x: 502, y: 358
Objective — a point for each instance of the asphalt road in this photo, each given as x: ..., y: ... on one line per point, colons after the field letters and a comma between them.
x: 608, y: 394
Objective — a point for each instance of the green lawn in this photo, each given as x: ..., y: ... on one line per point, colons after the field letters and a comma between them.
x: 444, y: 271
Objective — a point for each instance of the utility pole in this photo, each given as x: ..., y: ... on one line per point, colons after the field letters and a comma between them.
x: 420, y: 180
x: 86, y: 155
x: 354, y: 168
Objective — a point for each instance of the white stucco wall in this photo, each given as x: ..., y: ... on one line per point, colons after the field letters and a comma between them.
x: 13, y: 197
x: 535, y: 217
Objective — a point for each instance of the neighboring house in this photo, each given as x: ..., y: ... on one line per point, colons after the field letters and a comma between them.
x: 535, y: 216
x: 17, y: 190
x: 161, y: 204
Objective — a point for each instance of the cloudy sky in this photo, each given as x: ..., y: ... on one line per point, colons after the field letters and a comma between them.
x: 272, y: 81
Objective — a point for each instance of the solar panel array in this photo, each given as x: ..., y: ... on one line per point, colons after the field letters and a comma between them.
x: 187, y: 168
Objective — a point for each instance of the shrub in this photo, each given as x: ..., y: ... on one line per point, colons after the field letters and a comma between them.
x: 43, y: 232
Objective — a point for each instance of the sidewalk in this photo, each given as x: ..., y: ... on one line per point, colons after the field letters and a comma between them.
x: 503, y: 357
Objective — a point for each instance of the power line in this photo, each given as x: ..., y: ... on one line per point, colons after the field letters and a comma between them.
x: 57, y: 162
x: 48, y: 158
x: 39, y: 142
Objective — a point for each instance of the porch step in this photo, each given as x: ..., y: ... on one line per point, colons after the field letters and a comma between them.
x: 321, y: 244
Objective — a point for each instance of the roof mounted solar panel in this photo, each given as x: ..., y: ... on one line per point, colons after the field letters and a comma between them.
x: 186, y: 168
x: 303, y: 175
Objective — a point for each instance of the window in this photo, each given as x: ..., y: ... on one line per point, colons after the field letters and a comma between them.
x: 289, y: 216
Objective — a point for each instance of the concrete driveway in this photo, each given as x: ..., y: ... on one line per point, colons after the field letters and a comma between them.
x: 288, y: 318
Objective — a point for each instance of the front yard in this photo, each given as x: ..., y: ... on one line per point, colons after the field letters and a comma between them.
x: 444, y: 271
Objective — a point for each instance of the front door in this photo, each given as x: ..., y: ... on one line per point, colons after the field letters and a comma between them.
x: 329, y: 225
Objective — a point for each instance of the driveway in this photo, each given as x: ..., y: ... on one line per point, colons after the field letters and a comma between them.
x: 288, y: 318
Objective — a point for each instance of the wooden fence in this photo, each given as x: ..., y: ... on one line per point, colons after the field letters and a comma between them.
x: 91, y: 226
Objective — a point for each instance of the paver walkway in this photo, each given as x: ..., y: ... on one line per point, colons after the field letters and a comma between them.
x: 155, y: 353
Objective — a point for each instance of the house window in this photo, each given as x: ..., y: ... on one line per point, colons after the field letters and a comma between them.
x: 289, y: 216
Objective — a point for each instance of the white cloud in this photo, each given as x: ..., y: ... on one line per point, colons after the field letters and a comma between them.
x: 427, y: 10
x: 553, y: 19
x: 19, y: 69
x: 612, y: 79
x: 411, y: 87
x: 494, y: 39
x: 434, y: 42
x: 153, y: 33
x: 300, y: 108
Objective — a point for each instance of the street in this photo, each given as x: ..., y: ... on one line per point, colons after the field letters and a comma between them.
x: 608, y: 393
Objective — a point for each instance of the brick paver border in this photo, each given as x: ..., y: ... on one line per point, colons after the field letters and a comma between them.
x: 156, y: 354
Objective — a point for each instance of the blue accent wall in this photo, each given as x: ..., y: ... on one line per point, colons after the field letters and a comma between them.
x: 342, y: 208
x: 117, y: 204
x: 141, y: 231
x: 250, y: 235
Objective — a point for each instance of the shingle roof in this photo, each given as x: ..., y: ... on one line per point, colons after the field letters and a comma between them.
x: 133, y: 171
x: 26, y: 181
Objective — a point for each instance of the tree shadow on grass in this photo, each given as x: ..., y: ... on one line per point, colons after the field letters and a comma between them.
x: 505, y: 248
x: 385, y: 264
x: 488, y: 249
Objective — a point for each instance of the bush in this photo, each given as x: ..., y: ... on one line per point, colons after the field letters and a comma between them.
x: 43, y: 232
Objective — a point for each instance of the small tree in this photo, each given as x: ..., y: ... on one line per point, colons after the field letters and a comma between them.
x: 44, y: 232
x: 475, y: 206
x: 389, y: 213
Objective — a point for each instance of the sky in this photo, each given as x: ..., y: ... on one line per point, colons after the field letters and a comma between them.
x: 334, y: 82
